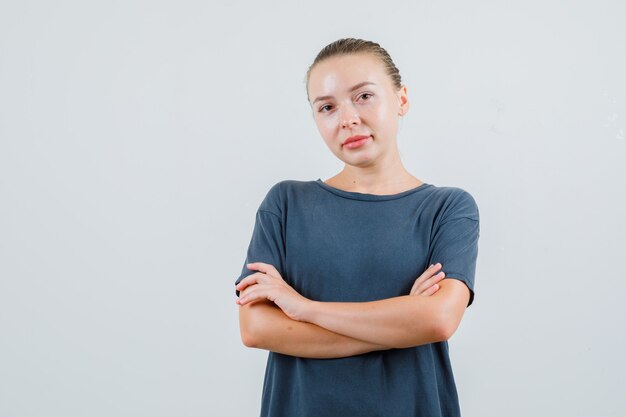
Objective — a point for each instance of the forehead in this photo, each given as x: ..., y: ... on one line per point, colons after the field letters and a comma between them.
x: 335, y: 75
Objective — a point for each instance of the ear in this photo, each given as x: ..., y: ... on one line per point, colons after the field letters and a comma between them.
x: 403, y: 100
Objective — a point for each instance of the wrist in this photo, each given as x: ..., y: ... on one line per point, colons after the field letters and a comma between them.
x: 310, y: 311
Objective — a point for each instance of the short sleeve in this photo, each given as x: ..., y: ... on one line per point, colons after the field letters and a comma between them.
x: 455, y: 240
x: 267, y: 243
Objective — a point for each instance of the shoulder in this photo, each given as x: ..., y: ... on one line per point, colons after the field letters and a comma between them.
x: 279, y: 194
x: 285, y: 189
x: 455, y: 201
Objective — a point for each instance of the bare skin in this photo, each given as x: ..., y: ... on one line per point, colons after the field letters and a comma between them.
x: 264, y: 325
x: 390, y: 322
x: 374, y: 110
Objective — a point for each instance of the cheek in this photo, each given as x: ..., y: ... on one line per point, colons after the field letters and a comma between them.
x: 383, y: 112
x: 327, y: 126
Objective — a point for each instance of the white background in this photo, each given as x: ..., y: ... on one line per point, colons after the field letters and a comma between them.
x: 137, y: 140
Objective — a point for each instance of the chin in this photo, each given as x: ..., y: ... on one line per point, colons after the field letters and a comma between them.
x: 361, y: 162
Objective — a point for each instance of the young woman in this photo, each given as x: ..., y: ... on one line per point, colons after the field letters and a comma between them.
x: 355, y: 284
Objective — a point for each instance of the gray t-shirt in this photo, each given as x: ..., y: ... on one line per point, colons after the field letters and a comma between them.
x: 335, y: 245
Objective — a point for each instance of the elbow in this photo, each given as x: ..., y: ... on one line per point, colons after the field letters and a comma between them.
x: 250, y: 323
x: 445, y: 325
x: 443, y: 331
x: 246, y: 331
x: 439, y: 328
x: 247, y: 338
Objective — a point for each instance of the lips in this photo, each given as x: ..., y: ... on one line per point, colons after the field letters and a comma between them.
x: 354, y: 139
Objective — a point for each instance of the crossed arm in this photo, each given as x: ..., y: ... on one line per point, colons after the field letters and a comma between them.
x: 263, y: 325
x: 275, y: 317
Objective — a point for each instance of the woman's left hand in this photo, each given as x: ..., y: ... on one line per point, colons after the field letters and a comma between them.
x: 269, y: 284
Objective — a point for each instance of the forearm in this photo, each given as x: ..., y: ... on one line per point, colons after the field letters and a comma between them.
x: 265, y: 326
x: 398, y: 322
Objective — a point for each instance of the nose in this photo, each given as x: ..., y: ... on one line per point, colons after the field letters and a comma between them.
x: 349, y: 117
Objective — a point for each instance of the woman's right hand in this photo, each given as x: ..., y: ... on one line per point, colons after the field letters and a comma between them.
x: 426, y: 284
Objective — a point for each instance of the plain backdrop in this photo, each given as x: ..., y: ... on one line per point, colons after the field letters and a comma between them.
x: 137, y: 140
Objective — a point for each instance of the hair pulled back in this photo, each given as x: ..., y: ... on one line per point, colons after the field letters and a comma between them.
x: 350, y: 46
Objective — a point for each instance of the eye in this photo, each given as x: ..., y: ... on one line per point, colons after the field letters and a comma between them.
x: 366, y: 94
x: 323, y: 107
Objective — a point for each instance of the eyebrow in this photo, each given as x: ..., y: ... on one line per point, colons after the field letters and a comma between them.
x: 355, y: 87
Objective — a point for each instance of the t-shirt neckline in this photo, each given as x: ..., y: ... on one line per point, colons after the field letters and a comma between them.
x: 369, y: 197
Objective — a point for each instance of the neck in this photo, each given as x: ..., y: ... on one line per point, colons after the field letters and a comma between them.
x: 387, y: 176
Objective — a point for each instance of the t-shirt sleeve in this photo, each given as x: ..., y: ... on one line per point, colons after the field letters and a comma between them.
x: 455, y: 241
x: 267, y: 242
